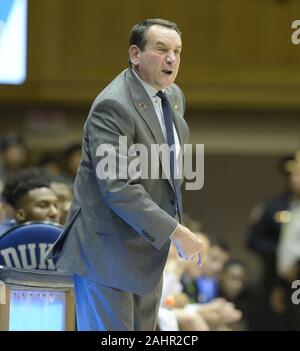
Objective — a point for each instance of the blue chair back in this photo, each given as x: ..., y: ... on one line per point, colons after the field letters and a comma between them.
x: 26, y: 245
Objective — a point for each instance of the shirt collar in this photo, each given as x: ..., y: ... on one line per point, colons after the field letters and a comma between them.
x: 149, y: 89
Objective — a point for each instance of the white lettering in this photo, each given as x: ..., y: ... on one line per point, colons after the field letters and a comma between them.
x: 31, y: 255
x: 44, y: 250
x: 9, y: 253
x: 296, y: 34
x: 296, y: 294
x: 111, y: 341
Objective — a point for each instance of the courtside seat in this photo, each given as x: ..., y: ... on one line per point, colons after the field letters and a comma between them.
x: 26, y: 245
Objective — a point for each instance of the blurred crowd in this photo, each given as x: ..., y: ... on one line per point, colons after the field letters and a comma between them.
x: 216, y: 296
x: 35, y: 191
x: 219, y: 295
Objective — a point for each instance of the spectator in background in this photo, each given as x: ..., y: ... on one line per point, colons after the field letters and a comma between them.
x: 64, y: 196
x: 289, y: 244
x: 59, y: 185
x: 203, y: 286
x: 33, y: 200
x: 31, y: 197
x: 288, y: 255
x: 266, y: 220
x: 233, y: 287
x: 14, y: 156
x: 232, y: 280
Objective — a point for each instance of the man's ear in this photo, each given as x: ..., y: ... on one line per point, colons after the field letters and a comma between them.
x: 134, y: 55
x: 20, y: 215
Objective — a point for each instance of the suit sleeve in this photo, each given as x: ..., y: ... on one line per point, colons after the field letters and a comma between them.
x: 125, y: 195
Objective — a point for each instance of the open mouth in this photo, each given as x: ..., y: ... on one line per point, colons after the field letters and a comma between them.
x: 166, y: 71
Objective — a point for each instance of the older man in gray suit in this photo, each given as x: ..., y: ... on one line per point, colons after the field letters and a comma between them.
x: 119, y: 228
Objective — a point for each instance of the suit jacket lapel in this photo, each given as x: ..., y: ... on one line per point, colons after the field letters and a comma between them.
x: 144, y: 106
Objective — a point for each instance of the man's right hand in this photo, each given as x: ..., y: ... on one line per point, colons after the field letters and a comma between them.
x: 188, y: 245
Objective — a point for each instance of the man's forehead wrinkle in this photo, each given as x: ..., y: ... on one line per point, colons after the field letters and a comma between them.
x: 159, y: 42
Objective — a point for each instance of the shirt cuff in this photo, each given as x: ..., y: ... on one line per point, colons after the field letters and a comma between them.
x: 170, y: 238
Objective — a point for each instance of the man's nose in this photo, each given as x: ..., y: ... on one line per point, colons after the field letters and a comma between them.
x: 171, y: 57
x: 53, y: 212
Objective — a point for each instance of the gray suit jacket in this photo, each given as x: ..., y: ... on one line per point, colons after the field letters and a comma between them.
x: 117, y: 231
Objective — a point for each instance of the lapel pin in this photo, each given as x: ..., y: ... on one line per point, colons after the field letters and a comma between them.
x: 143, y: 106
x: 176, y: 107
